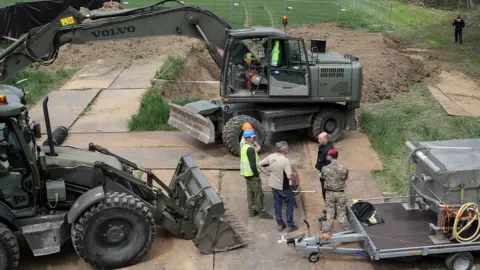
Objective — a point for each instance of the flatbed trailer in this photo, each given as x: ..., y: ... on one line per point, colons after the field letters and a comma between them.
x: 403, y: 234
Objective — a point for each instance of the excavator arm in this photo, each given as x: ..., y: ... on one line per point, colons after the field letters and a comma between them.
x: 41, y: 44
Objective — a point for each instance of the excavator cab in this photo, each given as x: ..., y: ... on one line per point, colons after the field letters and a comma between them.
x: 271, y: 64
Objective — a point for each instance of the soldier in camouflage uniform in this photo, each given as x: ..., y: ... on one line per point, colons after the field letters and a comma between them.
x: 335, y: 177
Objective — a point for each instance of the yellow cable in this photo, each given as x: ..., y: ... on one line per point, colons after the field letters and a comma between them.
x: 456, y: 234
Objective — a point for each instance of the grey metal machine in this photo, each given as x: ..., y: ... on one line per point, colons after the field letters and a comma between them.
x: 447, y: 178
x: 439, y: 216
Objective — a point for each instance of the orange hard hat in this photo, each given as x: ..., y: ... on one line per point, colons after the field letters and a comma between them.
x: 246, y: 126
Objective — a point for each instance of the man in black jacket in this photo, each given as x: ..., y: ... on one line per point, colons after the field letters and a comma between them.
x: 459, y: 25
x: 323, y: 148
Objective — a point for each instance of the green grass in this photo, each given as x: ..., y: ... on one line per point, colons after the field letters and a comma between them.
x: 414, y: 116
x: 352, y: 13
x: 40, y: 83
x: 154, y: 111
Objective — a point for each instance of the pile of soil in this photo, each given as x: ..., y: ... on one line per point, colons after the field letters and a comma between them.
x: 199, y: 68
x: 107, y: 6
x: 386, y: 70
x: 122, y: 52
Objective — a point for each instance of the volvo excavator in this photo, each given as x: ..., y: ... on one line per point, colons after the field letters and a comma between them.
x: 268, y: 78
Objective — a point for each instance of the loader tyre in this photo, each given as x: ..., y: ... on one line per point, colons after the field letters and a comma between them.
x: 9, y: 250
x: 115, y: 232
x: 330, y: 120
x: 232, y: 131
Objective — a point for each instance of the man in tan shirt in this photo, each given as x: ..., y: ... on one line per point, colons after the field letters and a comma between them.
x: 279, y: 171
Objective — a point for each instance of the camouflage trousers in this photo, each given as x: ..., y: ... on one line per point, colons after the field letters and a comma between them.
x: 255, y: 195
x: 336, y: 201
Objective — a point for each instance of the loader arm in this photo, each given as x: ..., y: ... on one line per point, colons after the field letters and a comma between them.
x: 42, y: 44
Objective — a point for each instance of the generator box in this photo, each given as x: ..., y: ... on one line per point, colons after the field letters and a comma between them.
x: 446, y: 171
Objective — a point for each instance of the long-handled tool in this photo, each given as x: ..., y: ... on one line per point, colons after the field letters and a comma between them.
x: 296, y: 191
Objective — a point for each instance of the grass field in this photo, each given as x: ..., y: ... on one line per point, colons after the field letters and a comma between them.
x: 40, y: 83
x: 414, y: 116
x: 355, y: 13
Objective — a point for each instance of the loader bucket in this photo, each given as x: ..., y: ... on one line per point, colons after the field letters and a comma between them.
x: 188, y: 120
x: 216, y: 231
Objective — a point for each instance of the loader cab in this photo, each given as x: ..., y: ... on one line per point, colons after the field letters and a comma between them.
x: 16, y: 177
x: 262, y: 64
x: 18, y: 167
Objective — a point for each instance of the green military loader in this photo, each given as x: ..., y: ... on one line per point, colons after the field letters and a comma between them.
x: 52, y: 193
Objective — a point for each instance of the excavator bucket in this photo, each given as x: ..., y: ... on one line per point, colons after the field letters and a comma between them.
x: 189, y: 120
x: 216, y: 230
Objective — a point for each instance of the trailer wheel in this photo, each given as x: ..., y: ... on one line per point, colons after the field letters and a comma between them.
x: 459, y: 261
x: 116, y: 232
x: 9, y: 250
x: 330, y: 120
x: 232, y: 131
x: 314, y: 257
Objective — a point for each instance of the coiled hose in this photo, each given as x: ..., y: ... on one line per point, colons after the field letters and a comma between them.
x: 458, y: 216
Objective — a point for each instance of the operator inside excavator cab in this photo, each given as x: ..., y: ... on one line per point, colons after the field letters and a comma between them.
x: 247, y: 63
x: 282, y: 72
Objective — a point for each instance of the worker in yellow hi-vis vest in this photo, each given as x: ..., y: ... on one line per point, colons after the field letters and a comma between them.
x: 275, y: 52
x: 248, y: 169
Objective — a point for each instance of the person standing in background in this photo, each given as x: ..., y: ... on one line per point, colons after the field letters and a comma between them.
x: 459, y: 25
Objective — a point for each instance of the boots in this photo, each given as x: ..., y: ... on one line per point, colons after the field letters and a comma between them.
x: 324, y: 217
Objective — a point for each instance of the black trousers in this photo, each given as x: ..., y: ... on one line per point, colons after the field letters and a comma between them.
x: 458, y: 35
x: 322, y: 182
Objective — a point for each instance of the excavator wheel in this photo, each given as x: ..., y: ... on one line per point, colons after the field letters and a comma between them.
x: 232, y: 132
x: 9, y: 250
x: 114, y: 233
x: 330, y: 120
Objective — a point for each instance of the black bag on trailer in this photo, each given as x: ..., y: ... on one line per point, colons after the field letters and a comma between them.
x: 366, y: 213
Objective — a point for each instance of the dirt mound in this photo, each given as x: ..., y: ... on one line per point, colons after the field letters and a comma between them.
x: 386, y: 70
x: 107, y: 6
x: 122, y: 52
x: 198, y: 79
x: 199, y: 65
